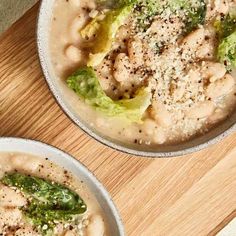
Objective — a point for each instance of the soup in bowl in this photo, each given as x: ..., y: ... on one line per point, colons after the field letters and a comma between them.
x: 44, y: 191
x: 147, y: 77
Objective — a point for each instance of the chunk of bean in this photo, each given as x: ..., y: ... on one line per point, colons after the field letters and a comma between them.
x: 194, y: 40
x: 10, y: 197
x: 160, y: 114
x: 159, y: 136
x: 73, y: 53
x: 96, y: 226
x: 201, y: 110
x: 10, y: 217
x: 23, y: 162
x: 220, y: 87
x: 213, y: 70
x: 149, y: 127
x: 122, y: 68
x: 69, y: 233
x: 26, y: 231
x: 75, y: 2
x: 135, y: 51
x: 217, y: 116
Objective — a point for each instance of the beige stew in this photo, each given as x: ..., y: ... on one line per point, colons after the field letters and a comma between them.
x: 147, y: 72
x: 38, y: 197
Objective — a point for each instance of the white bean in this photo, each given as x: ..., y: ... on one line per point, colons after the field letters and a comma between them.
x: 206, y: 50
x: 106, y: 84
x: 217, y: 116
x: 69, y: 233
x: 23, y: 162
x: 96, y: 226
x: 26, y: 231
x: 122, y: 34
x: 177, y: 91
x: 222, y: 6
x: 10, y: 217
x: 122, y: 68
x: 73, y: 53
x: 105, y: 68
x: 161, y: 115
x: 154, y: 131
x: 106, y: 78
x: 11, y: 198
x: 135, y: 51
x: 215, y: 7
x: 75, y: 2
x: 192, y: 41
x: 165, y: 30
x: 211, y: 10
x: 220, y: 87
x: 149, y: 127
x: 159, y: 136
x: 213, y: 71
x: 194, y: 76
x: 201, y: 110
x: 5, y: 166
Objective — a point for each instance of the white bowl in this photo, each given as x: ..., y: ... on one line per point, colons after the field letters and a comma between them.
x: 195, y: 144
x: 69, y: 163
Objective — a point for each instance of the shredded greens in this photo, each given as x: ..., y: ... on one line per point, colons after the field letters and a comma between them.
x: 225, y: 26
x: 195, y: 16
x: 48, y: 202
x: 86, y: 84
x: 226, y: 30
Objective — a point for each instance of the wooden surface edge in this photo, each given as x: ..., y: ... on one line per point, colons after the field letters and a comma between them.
x: 151, y: 195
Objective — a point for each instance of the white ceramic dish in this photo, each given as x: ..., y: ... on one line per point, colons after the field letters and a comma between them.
x: 195, y: 144
x: 68, y: 162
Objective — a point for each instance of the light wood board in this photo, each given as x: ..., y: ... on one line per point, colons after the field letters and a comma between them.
x: 186, y: 196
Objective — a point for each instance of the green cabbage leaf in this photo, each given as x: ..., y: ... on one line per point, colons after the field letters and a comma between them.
x: 226, y: 30
x: 226, y: 26
x: 227, y: 51
x: 86, y: 84
x: 105, y: 31
x: 195, y: 16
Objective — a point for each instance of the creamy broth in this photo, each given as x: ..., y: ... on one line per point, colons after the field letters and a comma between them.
x: 191, y: 91
x: 12, y: 219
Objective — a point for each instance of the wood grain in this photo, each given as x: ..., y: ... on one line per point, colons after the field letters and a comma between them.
x: 184, y: 196
x: 224, y: 223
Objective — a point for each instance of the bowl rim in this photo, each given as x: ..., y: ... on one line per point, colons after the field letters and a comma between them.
x: 79, y: 165
x: 78, y: 121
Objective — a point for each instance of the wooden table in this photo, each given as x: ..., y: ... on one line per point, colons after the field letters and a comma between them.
x: 184, y: 196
